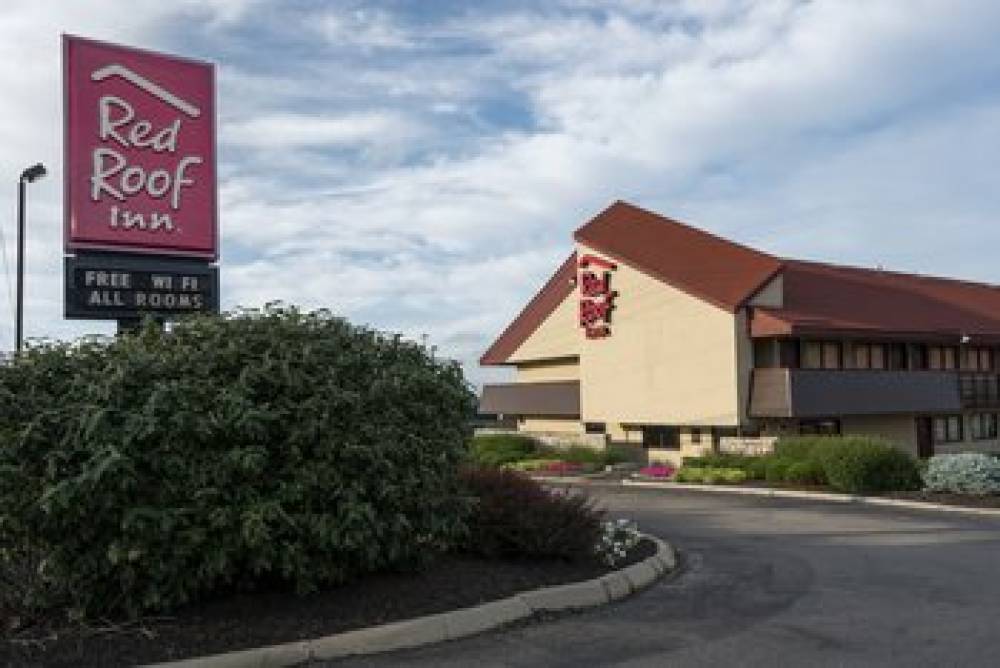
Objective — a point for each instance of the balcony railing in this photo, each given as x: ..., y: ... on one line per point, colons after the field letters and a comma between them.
x: 804, y: 393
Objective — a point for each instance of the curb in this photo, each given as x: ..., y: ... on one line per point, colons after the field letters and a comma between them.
x: 450, y: 625
x: 815, y: 496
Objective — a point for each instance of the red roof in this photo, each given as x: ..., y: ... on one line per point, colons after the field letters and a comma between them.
x: 703, y: 265
x: 823, y: 298
x: 545, y: 302
x: 819, y: 299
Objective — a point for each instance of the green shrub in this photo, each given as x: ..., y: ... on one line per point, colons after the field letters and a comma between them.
x: 530, y: 464
x: 722, y: 461
x: 756, y: 468
x: 584, y: 454
x: 712, y: 476
x: 776, y: 468
x: 146, y: 471
x: 690, y: 474
x: 515, y: 516
x: 500, y: 449
x: 966, y: 473
x: 753, y: 467
x: 616, y: 455
x: 805, y: 473
x: 577, y: 454
x: 860, y: 465
x: 801, y: 448
x: 733, y: 476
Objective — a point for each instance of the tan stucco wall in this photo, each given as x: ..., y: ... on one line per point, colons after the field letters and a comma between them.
x: 557, y: 336
x: 537, y: 372
x: 550, y: 425
x: 688, y: 448
x: 670, y: 358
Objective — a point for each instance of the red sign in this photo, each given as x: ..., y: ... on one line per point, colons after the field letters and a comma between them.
x: 140, y: 151
x: 597, y: 299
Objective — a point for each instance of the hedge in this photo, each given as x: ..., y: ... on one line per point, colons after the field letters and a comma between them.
x: 853, y: 464
x: 500, y: 449
x: 147, y: 471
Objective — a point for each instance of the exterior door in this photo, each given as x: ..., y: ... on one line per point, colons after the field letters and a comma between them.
x: 925, y: 437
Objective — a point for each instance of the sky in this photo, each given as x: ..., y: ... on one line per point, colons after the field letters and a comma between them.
x: 420, y: 166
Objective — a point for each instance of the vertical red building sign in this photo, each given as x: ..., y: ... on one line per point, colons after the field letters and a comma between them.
x: 597, y: 299
x: 140, y: 170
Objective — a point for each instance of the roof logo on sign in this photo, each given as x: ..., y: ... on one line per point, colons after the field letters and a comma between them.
x: 145, y: 84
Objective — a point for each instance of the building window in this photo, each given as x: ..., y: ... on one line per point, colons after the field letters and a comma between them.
x: 897, y: 356
x: 765, y: 353
x: 941, y: 358
x: 821, y: 355
x: 977, y: 359
x: 829, y: 427
x: 695, y: 435
x: 862, y: 356
x: 948, y: 429
x: 869, y: 356
x: 983, y: 426
x: 661, y: 437
x: 594, y: 427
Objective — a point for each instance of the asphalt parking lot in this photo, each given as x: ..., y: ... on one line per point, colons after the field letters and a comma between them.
x: 773, y: 582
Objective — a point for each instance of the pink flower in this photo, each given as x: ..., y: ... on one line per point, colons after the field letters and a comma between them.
x: 658, y: 470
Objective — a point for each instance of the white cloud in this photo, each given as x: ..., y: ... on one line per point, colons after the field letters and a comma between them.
x: 363, y: 170
x: 303, y: 130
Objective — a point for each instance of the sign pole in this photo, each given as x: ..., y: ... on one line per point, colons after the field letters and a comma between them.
x: 19, y: 316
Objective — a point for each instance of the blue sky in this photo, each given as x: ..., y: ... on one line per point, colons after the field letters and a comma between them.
x: 419, y: 166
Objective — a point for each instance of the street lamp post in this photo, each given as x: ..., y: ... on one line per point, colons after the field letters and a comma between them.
x: 29, y: 175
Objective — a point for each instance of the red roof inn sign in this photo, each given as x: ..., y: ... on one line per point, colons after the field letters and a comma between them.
x: 140, y: 151
x: 140, y: 183
x: 597, y: 299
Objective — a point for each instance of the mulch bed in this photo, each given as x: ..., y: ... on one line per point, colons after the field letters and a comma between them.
x: 948, y: 499
x: 246, y: 620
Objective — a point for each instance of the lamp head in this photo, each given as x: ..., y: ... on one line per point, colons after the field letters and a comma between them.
x: 33, y: 173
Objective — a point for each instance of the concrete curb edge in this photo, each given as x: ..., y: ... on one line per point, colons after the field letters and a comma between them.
x: 814, y: 496
x: 452, y: 625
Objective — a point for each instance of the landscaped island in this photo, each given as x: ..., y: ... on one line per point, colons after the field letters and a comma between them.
x: 262, y: 477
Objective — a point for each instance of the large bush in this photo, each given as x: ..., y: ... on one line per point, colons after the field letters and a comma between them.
x: 859, y: 465
x: 515, y: 516
x: 967, y: 473
x: 140, y: 473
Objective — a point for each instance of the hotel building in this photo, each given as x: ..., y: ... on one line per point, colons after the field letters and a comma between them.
x: 657, y: 334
